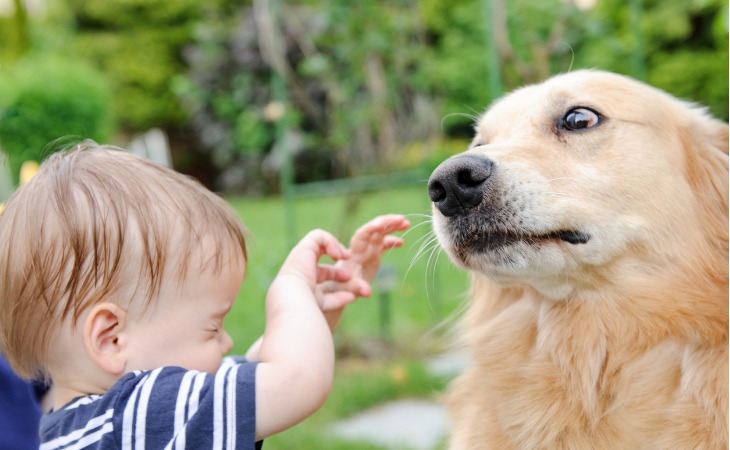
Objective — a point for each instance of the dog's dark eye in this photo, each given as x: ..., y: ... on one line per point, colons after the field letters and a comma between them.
x: 478, y: 141
x: 580, y: 119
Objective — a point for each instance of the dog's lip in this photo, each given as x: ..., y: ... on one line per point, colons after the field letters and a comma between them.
x: 492, y: 239
x: 572, y: 236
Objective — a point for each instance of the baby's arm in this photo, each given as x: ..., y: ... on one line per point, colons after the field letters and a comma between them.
x: 296, y: 354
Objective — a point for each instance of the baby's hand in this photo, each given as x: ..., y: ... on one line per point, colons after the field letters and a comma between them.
x: 303, y: 260
x: 367, y: 246
x: 370, y: 241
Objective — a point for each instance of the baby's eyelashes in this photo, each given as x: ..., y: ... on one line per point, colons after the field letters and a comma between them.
x: 215, y: 327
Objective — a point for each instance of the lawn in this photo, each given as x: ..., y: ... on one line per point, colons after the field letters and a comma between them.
x: 382, y: 341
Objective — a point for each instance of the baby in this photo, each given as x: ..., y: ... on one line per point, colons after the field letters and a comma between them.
x: 116, y: 275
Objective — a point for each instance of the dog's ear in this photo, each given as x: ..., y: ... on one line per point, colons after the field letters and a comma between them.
x: 722, y: 138
x: 705, y: 141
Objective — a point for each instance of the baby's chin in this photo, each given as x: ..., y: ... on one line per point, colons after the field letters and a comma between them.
x: 209, y: 368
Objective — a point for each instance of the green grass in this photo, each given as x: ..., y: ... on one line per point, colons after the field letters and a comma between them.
x: 378, y: 360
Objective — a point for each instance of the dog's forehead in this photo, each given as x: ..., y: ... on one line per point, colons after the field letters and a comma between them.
x: 583, y: 87
x: 602, y: 91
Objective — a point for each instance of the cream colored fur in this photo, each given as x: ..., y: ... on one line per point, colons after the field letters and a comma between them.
x: 621, y: 342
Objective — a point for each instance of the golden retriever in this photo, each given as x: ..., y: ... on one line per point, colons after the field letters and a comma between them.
x: 592, y: 213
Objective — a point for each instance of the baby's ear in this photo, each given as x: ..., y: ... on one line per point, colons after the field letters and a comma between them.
x: 102, y: 328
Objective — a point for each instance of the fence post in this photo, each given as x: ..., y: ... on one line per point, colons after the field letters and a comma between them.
x: 494, y: 71
x: 385, y: 281
x: 280, y: 95
x: 638, y: 67
x: 286, y: 175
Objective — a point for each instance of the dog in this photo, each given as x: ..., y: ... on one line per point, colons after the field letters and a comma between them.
x: 592, y: 214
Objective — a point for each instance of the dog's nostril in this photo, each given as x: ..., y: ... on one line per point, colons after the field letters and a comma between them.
x: 436, y: 191
x: 469, y: 178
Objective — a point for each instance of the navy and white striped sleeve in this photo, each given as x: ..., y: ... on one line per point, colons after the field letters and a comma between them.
x: 172, y: 408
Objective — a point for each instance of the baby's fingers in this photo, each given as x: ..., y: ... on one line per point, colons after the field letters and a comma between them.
x: 392, y: 242
x: 373, y: 230
x: 354, y: 285
x: 336, y: 300
x: 333, y: 273
x: 386, y: 224
x: 395, y: 222
x: 328, y: 245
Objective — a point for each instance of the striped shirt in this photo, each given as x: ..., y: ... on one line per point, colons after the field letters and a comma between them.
x: 166, y: 408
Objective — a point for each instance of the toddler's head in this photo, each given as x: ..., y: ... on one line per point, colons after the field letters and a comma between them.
x: 97, y: 227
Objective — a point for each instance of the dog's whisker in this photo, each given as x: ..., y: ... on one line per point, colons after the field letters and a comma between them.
x: 473, y: 117
x: 425, y: 241
x: 477, y: 113
x: 564, y: 195
x: 427, y: 217
x: 572, y: 54
x: 426, y: 214
x: 431, y: 247
x: 421, y: 242
x: 433, y: 260
x: 414, y: 227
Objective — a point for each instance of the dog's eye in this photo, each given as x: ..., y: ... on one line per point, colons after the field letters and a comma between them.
x: 580, y: 119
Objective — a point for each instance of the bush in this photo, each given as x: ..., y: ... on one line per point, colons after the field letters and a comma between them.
x: 42, y: 100
x: 138, y: 45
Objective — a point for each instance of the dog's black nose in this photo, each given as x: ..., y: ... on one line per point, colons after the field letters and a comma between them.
x: 457, y: 185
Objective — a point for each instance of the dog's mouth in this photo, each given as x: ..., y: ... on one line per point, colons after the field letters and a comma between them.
x: 571, y: 236
x: 488, y: 240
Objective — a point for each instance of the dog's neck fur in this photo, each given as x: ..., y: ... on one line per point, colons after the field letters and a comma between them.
x: 594, y: 345
x: 698, y: 293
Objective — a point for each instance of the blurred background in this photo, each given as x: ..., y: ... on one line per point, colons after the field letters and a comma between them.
x: 324, y: 113
x: 344, y: 87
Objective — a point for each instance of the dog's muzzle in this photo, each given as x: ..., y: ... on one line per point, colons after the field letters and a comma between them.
x: 460, y: 185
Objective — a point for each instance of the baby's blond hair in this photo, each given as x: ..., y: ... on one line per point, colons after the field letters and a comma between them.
x: 99, y: 224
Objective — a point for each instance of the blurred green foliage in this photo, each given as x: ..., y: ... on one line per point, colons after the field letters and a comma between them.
x: 337, y: 81
x: 14, y: 32
x: 682, y: 47
x: 43, y: 99
x: 354, y: 87
x: 367, y: 79
x: 138, y: 44
x: 538, y: 41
